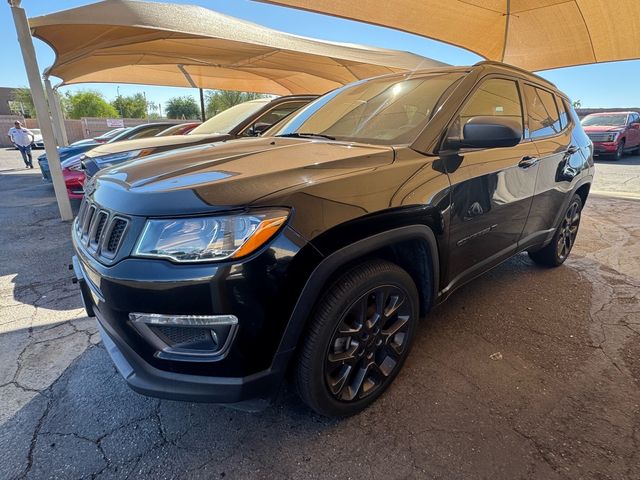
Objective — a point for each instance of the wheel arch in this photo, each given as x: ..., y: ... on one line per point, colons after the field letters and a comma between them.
x: 583, y: 192
x: 420, y: 239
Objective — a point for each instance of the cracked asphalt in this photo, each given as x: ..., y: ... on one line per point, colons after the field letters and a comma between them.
x: 523, y: 373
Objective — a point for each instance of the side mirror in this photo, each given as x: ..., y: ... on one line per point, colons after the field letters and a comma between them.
x: 487, y: 132
x: 635, y: 126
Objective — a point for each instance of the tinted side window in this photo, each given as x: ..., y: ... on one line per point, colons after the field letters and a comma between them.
x: 564, y: 121
x: 542, y: 112
x: 274, y: 116
x: 495, y: 97
x: 280, y: 112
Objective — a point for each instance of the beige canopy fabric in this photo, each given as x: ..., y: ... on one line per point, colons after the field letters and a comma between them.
x: 128, y: 41
x: 532, y: 34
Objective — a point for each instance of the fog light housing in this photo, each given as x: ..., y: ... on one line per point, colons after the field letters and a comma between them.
x: 187, y: 337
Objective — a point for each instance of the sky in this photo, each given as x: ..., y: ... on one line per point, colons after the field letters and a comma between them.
x: 601, y: 85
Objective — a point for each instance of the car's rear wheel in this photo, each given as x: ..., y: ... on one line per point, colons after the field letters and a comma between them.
x: 560, y: 247
x: 619, y: 151
x: 358, y: 339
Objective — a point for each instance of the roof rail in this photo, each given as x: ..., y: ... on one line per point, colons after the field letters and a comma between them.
x: 513, y: 67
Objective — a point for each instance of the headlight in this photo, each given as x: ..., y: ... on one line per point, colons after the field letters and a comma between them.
x: 107, y: 160
x: 613, y: 136
x: 205, y: 239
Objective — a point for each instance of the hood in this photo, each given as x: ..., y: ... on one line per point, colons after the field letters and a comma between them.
x: 154, y: 143
x: 602, y: 128
x: 224, y: 176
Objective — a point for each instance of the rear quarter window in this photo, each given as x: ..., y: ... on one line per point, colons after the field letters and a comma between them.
x: 542, y: 112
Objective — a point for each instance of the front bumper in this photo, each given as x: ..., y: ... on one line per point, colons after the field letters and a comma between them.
x: 251, y: 393
x: 605, y: 147
x: 252, y: 370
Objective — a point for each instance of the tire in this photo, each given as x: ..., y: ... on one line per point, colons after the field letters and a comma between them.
x: 358, y: 339
x: 619, y: 151
x: 554, y: 254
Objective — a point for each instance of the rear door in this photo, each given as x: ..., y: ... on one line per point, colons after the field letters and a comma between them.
x: 549, y: 129
x: 491, y: 188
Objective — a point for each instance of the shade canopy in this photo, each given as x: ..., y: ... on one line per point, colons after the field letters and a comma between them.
x: 126, y: 41
x: 532, y: 34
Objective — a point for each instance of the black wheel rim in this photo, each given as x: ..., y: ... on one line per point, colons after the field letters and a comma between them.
x: 368, y: 343
x: 568, y: 231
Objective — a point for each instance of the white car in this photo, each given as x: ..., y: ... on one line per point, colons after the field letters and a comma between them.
x: 37, y: 138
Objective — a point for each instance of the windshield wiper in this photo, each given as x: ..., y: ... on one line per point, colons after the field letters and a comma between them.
x: 304, y: 135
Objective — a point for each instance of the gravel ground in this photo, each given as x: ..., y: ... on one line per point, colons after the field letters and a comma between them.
x: 523, y: 373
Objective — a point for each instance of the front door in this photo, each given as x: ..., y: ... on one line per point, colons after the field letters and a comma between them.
x: 491, y: 189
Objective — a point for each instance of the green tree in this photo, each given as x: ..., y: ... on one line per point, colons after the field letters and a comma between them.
x: 88, y: 103
x: 153, y: 110
x: 132, y: 106
x: 22, y: 103
x: 577, y: 104
x: 219, y: 100
x: 182, y: 107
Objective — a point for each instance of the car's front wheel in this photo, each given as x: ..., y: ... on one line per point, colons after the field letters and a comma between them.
x: 558, y: 250
x: 358, y: 338
x: 619, y: 151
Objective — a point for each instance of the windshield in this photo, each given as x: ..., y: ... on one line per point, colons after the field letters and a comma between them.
x: 605, y: 120
x: 123, y: 133
x: 226, y: 120
x: 387, y: 110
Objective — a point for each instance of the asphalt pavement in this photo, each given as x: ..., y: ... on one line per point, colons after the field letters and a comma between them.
x: 524, y: 373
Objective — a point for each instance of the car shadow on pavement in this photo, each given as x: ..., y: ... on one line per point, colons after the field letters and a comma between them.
x: 627, y: 160
x: 36, y: 245
x: 498, y: 384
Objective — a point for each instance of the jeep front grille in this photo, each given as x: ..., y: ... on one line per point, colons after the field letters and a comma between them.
x: 100, y: 230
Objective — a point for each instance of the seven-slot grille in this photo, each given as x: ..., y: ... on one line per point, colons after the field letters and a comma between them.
x: 100, y: 230
x: 599, y: 137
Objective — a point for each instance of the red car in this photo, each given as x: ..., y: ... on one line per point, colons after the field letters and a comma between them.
x: 74, y: 181
x: 613, y: 133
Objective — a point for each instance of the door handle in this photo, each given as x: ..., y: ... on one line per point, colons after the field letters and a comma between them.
x: 572, y: 149
x: 527, y: 162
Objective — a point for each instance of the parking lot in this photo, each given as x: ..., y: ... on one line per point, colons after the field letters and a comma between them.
x: 524, y: 373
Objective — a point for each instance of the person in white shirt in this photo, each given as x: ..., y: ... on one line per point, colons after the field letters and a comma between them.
x: 22, y: 139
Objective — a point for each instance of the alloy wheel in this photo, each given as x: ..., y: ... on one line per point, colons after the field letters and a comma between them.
x: 368, y: 343
x: 568, y: 231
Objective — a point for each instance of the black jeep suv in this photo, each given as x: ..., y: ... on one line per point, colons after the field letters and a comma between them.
x: 215, y: 270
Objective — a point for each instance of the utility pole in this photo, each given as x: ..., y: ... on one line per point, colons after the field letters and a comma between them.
x: 202, y: 105
x: 120, y: 102
x: 40, y: 104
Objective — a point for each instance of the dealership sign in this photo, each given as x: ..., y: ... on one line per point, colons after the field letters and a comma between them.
x: 115, y: 122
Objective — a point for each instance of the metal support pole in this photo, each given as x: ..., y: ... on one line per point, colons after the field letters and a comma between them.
x: 59, y: 129
x: 63, y: 126
x: 202, y: 114
x: 40, y: 103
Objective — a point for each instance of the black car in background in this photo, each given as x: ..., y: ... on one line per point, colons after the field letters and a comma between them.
x: 314, y: 250
x: 247, y: 119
